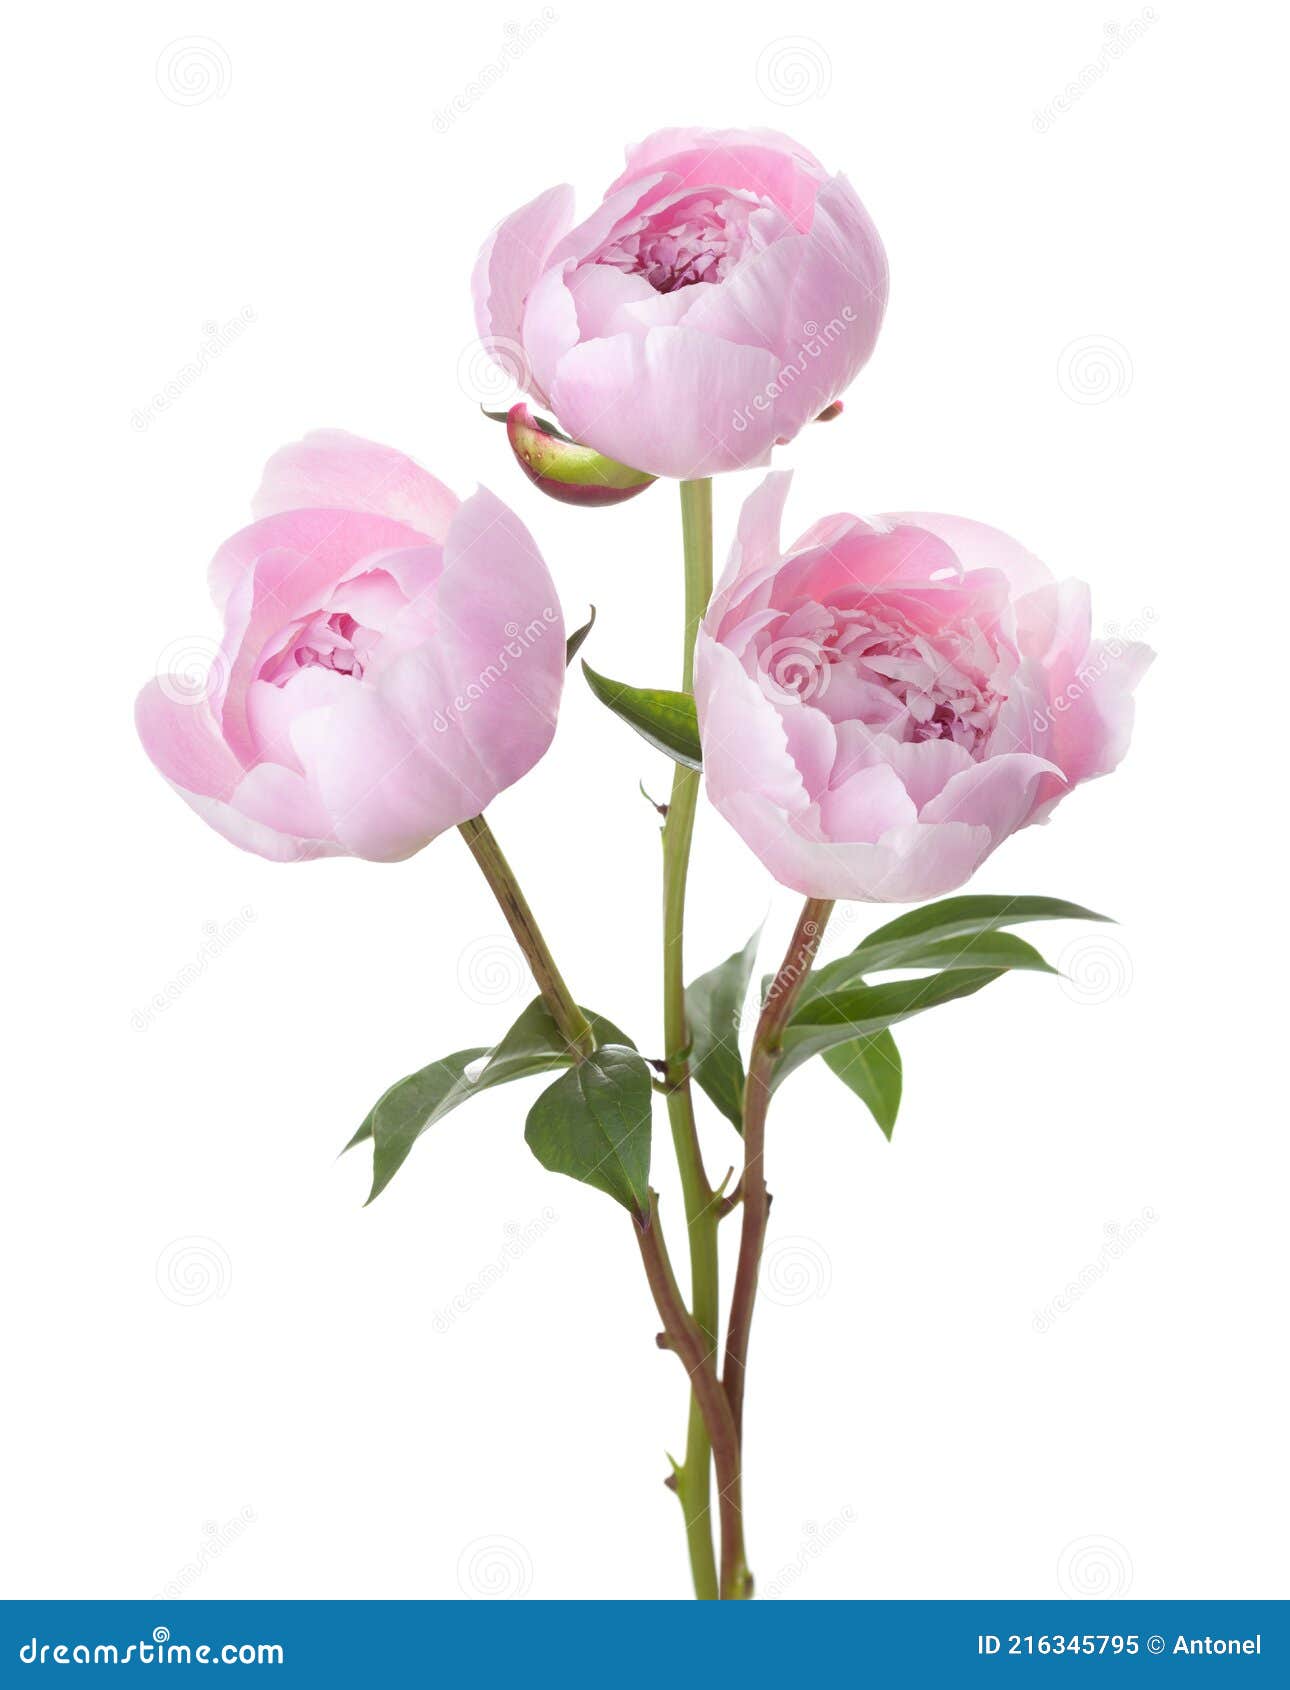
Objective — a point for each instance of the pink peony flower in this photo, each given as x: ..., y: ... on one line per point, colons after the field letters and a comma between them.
x: 392, y: 660
x: 881, y: 706
x: 724, y: 292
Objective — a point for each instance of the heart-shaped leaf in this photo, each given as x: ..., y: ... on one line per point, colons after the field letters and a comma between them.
x: 666, y: 719
x: 594, y: 1125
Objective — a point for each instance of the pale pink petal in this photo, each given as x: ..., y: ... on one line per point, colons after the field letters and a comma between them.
x: 671, y: 402
x: 512, y: 259
x: 339, y: 471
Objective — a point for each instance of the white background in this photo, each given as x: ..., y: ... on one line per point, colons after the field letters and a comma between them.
x: 277, y: 1408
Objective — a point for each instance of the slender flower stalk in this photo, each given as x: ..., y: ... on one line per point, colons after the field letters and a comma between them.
x: 694, y: 1477
x: 776, y: 1009
x: 681, y: 1333
x: 573, y: 1024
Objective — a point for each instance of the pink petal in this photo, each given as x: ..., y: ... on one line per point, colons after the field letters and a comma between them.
x: 512, y: 259
x: 334, y: 470
x: 671, y: 402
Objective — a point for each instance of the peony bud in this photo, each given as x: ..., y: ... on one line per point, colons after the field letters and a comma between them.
x: 575, y: 474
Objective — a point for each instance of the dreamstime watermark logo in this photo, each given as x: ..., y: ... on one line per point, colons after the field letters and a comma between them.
x: 1102, y: 658
x: 193, y: 1270
x: 1118, y: 1241
x: 496, y: 1568
x: 795, y: 1271
x: 1096, y: 1567
x: 816, y: 1539
x: 793, y: 70
x: 1116, y: 45
x: 519, y: 1241
x: 192, y: 70
x: 191, y: 669
x: 518, y: 640
x: 490, y: 970
x: 144, y: 1651
x: 796, y: 667
x: 1093, y: 369
x: 1094, y: 970
x: 494, y: 371
x: 216, y: 1538
x: 816, y: 340
x: 519, y: 38
x: 216, y: 340
x: 219, y: 935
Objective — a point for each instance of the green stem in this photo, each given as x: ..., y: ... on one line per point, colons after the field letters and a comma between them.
x: 572, y: 1023
x: 694, y: 1478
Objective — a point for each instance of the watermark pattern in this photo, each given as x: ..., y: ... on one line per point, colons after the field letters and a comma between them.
x: 1093, y: 369
x: 193, y: 1270
x: 1094, y: 970
x: 1096, y: 1567
x: 216, y: 340
x: 816, y: 340
x: 192, y: 70
x: 793, y: 70
x: 495, y: 1568
x: 1105, y: 654
x: 1118, y: 1241
x: 518, y: 640
x: 219, y: 936
x: 494, y: 371
x: 216, y: 1538
x: 816, y: 1539
x: 519, y: 1241
x: 519, y: 38
x: 1118, y: 41
x: 491, y: 970
x: 797, y: 667
x: 795, y: 1271
x: 191, y: 669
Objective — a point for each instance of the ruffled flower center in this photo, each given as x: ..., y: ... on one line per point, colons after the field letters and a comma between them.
x: 336, y: 642
x: 876, y: 667
x: 694, y: 239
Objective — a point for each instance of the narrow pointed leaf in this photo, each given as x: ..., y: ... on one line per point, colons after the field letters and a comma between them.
x: 989, y: 949
x: 666, y: 719
x: 714, y: 1006
x: 594, y: 1125
x: 533, y: 1045
x: 573, y: 645
x: 822, y: 1021
x: 411, y: 1106
x: 954, y: 918
x: 871, y: 1067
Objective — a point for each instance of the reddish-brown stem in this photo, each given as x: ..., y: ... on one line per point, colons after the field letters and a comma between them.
x: 682, y: 1334
x: 777, y: 1008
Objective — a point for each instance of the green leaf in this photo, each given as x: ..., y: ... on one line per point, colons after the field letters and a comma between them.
x: 990, y: 949
x: 408, y: 1108
x: 714, y: 1007
x: 666, y: 719
x: 533, y: 1045
x: 954, y: 918
x: 824, y: 1020
x: 594, y: 1125
x: 871, y: 1067
x: 573, y: 644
